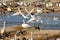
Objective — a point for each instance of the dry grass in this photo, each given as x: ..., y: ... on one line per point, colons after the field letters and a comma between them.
x: 37, y: 34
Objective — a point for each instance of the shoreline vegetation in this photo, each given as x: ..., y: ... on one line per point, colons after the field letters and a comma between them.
x: 26, y: 32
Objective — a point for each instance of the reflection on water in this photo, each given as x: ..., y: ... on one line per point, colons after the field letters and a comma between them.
x: 48, y: 22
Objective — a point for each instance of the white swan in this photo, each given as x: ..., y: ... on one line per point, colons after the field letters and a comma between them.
x: 29, y: 13
x: 17, y: 13
x: 33, y: 17
x: 24, y: 25
x: 3, y: 30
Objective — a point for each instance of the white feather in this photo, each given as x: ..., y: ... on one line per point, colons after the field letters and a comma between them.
x: 20, y: 14
x: 24, y: 25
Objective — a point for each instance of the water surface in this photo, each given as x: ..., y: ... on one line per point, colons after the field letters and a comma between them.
x: 48, y: 22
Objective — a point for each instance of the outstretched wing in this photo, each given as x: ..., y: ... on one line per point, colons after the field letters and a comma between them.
x: 17, y: 13
x: 30, y: 20
x: 26, y: 10
x: 29, y: 12
x: 22, y: 14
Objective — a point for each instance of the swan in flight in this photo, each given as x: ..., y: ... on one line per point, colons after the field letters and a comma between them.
x: 33, y: 17
x: 55, y: 18
x: 29, y: 13
x: 3, y: 30
x: 24, y: 25
x: 17, y: 13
